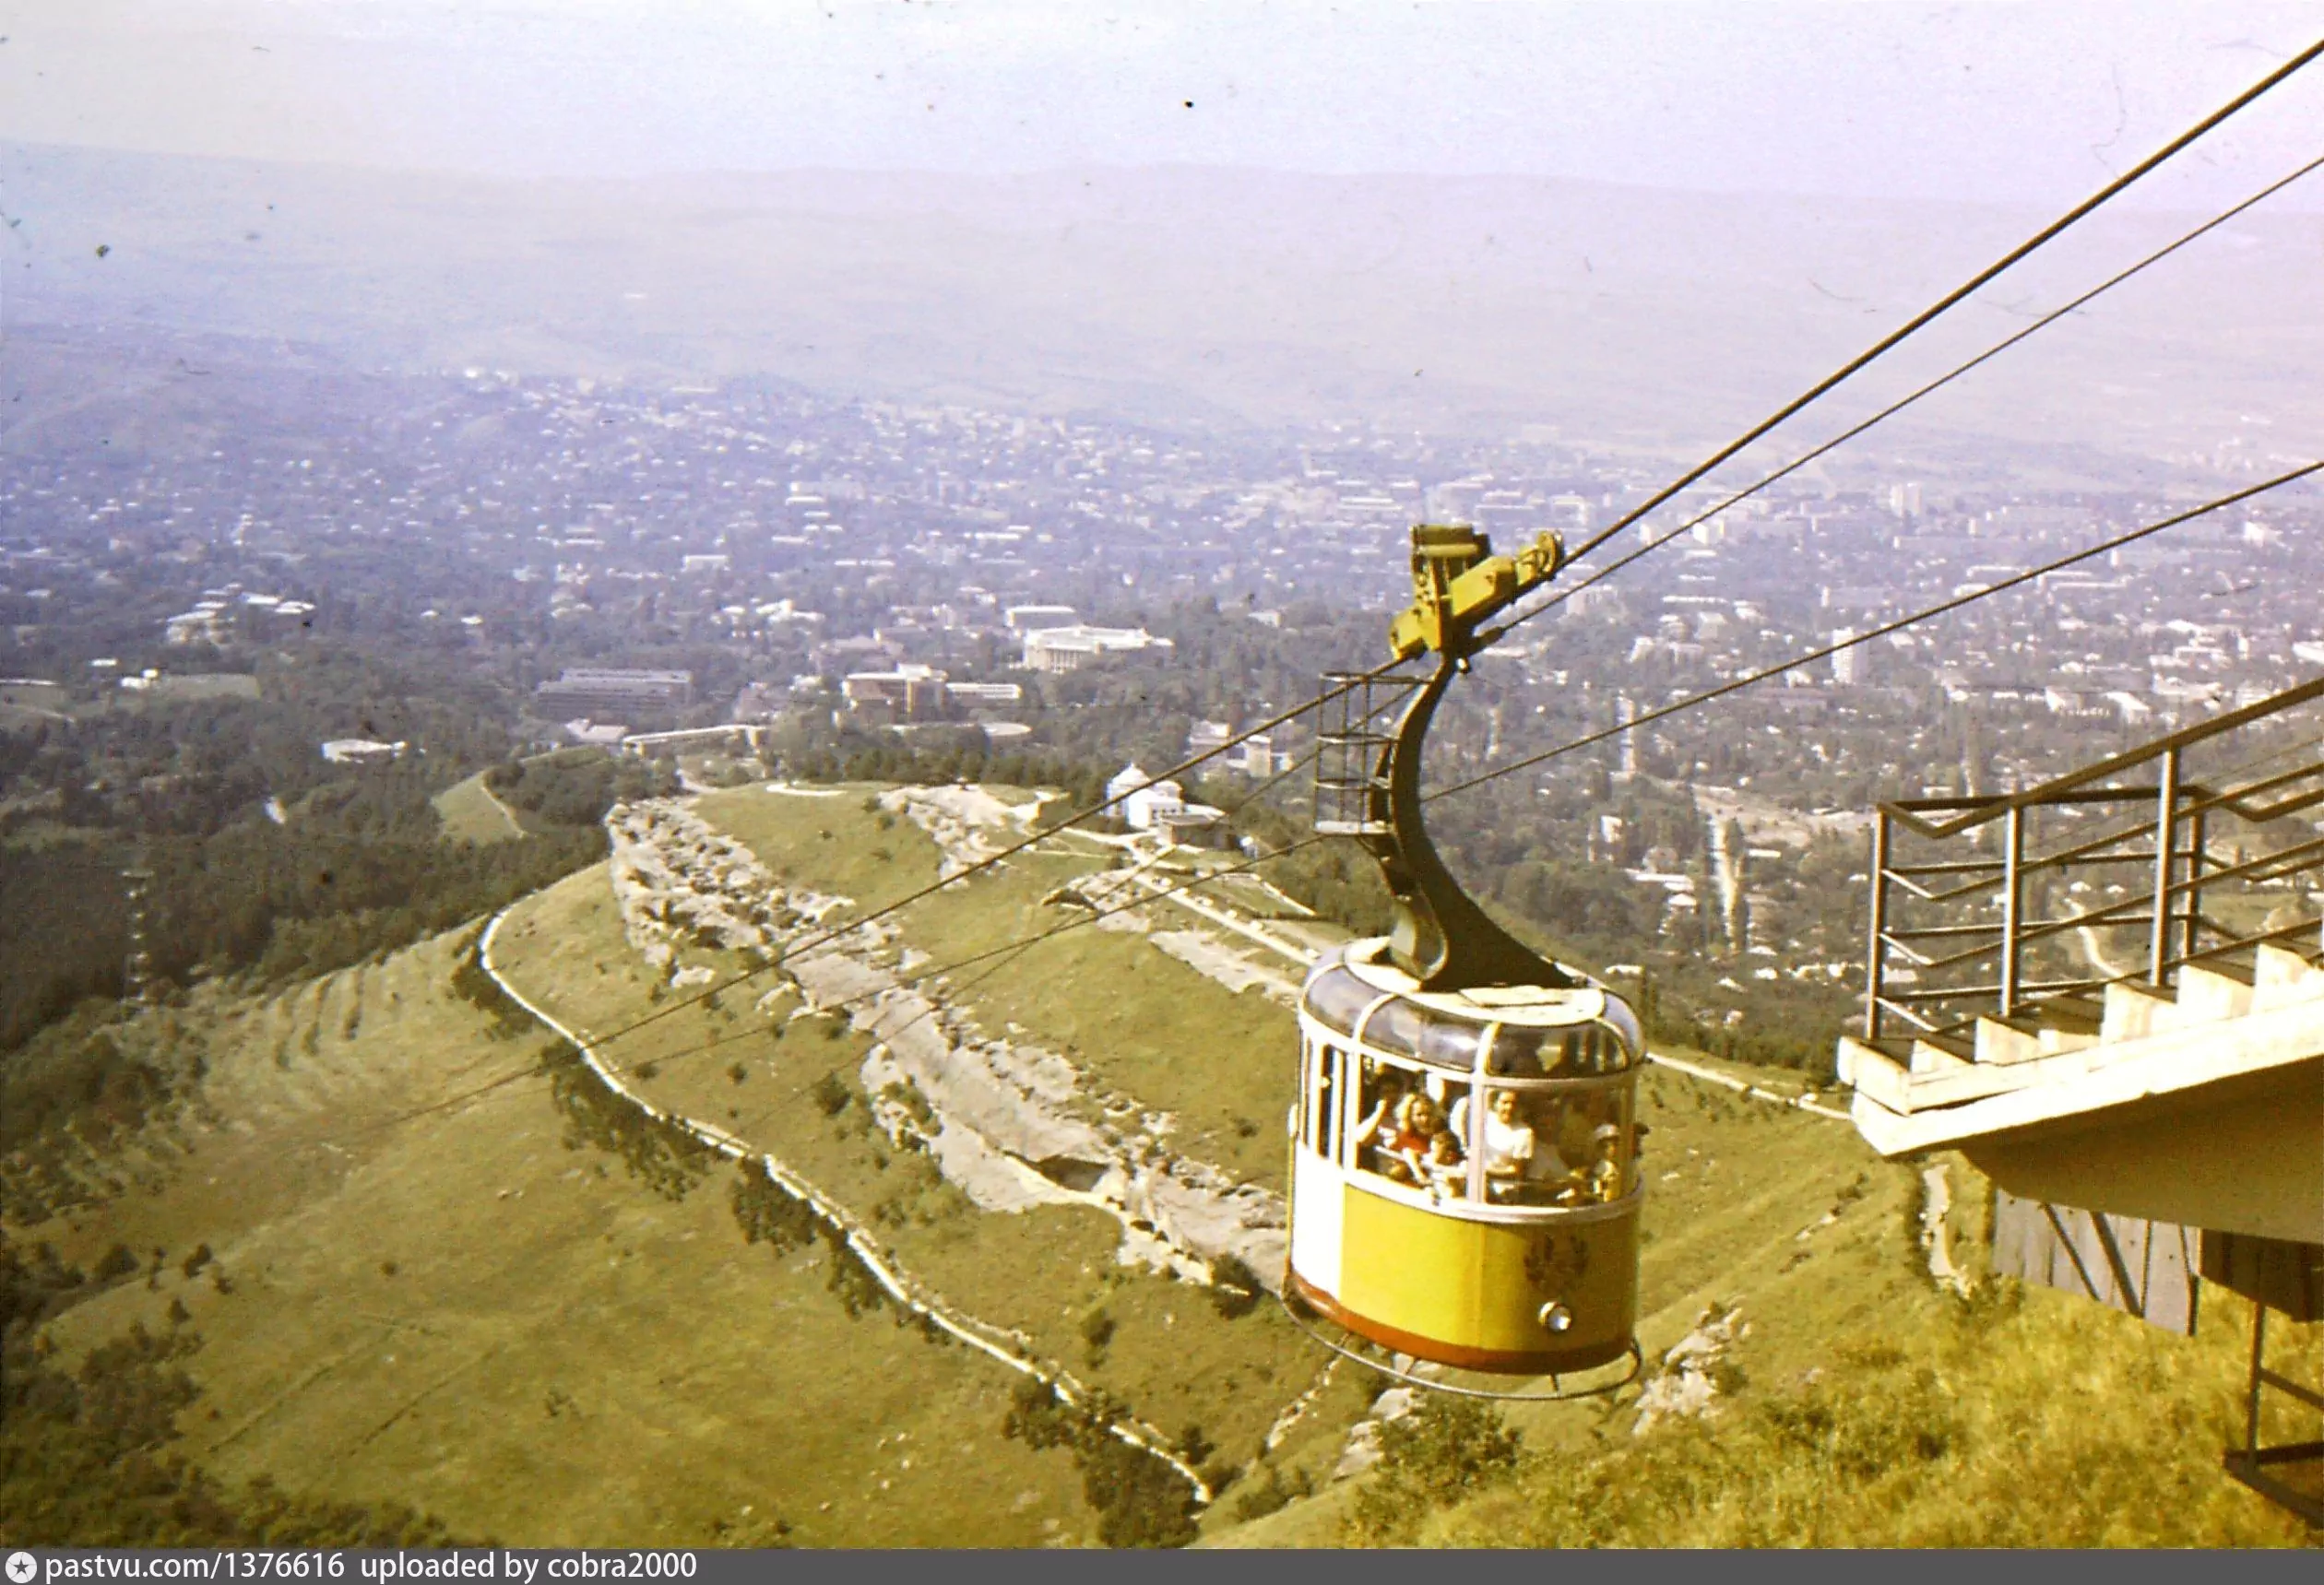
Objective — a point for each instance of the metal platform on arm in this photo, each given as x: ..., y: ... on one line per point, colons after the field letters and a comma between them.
x: 1351, y: 787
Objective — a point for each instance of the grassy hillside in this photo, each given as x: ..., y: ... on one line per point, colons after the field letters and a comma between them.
x: 471, y: 813
x: 428, y: 1260
x: 459, y: 1309
x: 1129, y: 1015
x: 1049, y: 1272
x: 468, y: 1302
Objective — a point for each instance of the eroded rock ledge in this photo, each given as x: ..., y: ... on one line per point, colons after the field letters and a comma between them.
x: 1012, y: 1124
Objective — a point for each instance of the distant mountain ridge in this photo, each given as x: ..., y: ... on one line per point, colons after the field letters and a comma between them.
x: 1186, y: 296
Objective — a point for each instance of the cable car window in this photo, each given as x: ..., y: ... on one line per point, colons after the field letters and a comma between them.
x: 1593, y: 1049
x: 1395, y: 1027
x: 1516, y: 1140
x: 1516, y: 1052
x: 1311, y: 1062
x: 1379, y: 1092
x: 1573, y: 1050
x: 1625, y: 1022
x: 1338, y: 999
x: 1447, y: 1044
x: 1323, y: 1091
x: 1404, y: 1133
x: 1594, y: 1135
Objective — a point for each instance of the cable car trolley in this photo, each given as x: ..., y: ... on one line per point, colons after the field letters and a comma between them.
x: 1464, y: 1187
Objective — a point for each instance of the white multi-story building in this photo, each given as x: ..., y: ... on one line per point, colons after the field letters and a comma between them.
x: 1847, y: 667
x: 1060, y: 649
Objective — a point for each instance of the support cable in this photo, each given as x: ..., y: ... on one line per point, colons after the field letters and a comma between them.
x: 1600, y: 575
x: 1958, y: 295
x: 1738, y: 685
x: 1023, y: 943
x: 1918, y: 322
x: 1010, y: 949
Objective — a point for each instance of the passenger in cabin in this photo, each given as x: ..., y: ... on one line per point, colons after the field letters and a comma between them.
x: 1602, y: 1179
x: 1448, y: 1170
x: 1422, y: 1147
x: 1376, y: 1131
x: 1509, y: 1147
x: 1454, y: 1098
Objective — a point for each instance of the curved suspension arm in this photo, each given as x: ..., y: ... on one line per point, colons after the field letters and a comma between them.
x: 1441, y: 937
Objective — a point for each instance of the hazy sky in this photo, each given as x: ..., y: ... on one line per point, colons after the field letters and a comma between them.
x: 2031, y: 102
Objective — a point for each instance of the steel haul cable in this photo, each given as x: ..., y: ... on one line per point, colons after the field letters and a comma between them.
x: 1012, y: 948
x: 1822, y: 387
x: 1738, y: 685
x: 1602, y: 574
x: 1963, y: 292
x: 533, y: 1071
x: 1707, y: 696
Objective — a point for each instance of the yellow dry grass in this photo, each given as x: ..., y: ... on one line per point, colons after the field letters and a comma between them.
x: 470, y: 813
x: 457, y: 1311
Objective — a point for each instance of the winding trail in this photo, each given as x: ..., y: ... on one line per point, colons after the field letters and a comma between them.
x: 516, y: 826
x: 1740, y: 1087
x: 899, y: 1286
x: 1203, y: 909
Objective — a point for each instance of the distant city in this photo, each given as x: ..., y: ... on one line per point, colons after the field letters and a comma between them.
x: 684, y: 566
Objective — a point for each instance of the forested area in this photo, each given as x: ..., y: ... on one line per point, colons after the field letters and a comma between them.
x: 263, y: 857
x: 1535, y: 866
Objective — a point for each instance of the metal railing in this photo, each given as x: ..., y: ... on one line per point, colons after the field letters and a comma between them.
x: 1351, y: 784
x: 2176, y: 850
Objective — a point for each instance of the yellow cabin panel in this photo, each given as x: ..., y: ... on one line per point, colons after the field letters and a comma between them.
x: 1482, y: 1285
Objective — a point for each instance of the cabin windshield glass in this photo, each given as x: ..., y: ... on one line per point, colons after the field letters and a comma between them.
x: 1569, y: 1051
x: 1446, y: 1043
x: 1625, y: 1022
x: 1337, y: 998
x: 1395, y: 1027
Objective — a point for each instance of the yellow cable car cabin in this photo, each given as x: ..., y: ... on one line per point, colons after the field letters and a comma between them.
x: 1465, y: 1186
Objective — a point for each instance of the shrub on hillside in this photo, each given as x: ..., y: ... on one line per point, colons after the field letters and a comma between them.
x: 1138, y: 1498
x: 1257, y: 1500
x: 665, y: 1157
x: 1446, y: 1448
x: 1235, y: 1289
x: 830, y: 1095
x: 769, y: 1214
x: 1098, y: 1329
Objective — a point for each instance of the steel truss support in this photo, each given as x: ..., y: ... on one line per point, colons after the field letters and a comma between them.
x: 2252, y: 1462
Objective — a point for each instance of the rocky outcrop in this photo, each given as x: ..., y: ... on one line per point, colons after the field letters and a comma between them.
x: 1687, y: 1385
x: 678, y: 882
x: 1011, y: 1124
x: 1016, y: 1125
x: 967, y: 823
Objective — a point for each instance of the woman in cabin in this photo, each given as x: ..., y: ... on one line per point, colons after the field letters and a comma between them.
x: 1512, y: 1151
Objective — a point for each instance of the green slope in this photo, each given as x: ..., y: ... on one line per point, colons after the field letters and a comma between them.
x: 463, y: 1299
